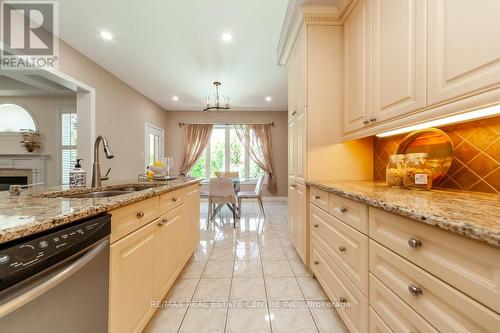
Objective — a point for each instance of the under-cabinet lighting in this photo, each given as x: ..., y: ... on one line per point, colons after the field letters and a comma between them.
x: 268, y: 98
x: 175, y: 98
x: 471, y: 115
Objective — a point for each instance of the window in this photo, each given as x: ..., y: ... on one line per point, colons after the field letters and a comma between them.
x: 69, y: 140
x: 154, y: 144
x: 14, y: 118
x: 225, y: 152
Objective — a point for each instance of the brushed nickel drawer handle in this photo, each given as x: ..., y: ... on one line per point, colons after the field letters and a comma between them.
x: 162, y: 222
x: 343, y: 209
x: 140, y: 214
x: 316, y: 225
x: 316, y: 262
x: 414, y: 243
x: 342, y: 248
x: 294, y: 113
x: 414, y: 290
x: 342, y: 299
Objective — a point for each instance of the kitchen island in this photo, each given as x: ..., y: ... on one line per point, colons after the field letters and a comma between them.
x: 155, y: 228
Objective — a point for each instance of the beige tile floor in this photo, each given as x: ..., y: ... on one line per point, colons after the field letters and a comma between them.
x: 248, y: 279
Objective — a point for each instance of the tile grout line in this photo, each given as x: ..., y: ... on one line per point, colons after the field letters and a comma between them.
x: 265, y: 284
x: 197, y: 284
x: 230, y: 286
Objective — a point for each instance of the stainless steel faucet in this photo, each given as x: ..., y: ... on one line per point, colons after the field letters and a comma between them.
x: 96, y: 168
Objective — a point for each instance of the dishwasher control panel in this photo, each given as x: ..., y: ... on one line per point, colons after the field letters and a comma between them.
x: 23, y: 255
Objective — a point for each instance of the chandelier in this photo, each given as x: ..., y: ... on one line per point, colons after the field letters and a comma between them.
x: 217, y: 104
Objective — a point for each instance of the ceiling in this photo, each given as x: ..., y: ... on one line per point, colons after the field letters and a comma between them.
x: 166, y: 48
x: 18, y: 83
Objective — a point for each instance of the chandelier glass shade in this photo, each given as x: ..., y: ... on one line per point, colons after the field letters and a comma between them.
x: 217, y: 105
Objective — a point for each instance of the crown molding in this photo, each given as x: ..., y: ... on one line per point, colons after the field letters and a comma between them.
x: 298, y: 15
x: 320, y: 15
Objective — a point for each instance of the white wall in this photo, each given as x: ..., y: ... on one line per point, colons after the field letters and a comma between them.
x: 46, y: 111
x: 174, y: 135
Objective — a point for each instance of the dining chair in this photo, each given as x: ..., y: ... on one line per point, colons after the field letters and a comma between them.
x: 221, y: 193
x: 256, y: 194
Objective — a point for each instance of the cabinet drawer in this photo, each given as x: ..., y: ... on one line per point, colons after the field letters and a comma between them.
x: 396, y: 314
x: 377, y: 325
x: 347, y: 247
x: 320, y: 198
x: 444, y: 307
x: 338, y: 287
x: 351, y: 212
x: 467, y: 265
x: 170, y: 200
x: 129, y: 218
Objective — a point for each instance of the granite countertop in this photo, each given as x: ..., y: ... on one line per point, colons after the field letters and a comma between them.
x: 40, y: 209
x: 471, y: 214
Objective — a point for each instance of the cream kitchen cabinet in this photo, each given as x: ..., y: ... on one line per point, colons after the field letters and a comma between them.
x: 399, y: 46
x: 401, y: 274
x: 297, y: 148
x: 357, y: 67
x: 297, y: 77
x: 146, y: 261
x: 170, y: 249
x: 464, y: 48
x: 191, y: 215
x: 410, y: 61
x: 315, y: 150
x: 297, y: 212
x: 132, y: 284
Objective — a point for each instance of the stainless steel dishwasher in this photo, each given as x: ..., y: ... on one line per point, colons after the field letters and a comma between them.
x: 57, y: 281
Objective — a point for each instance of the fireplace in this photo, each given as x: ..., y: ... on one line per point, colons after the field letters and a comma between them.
x: 6, y: 181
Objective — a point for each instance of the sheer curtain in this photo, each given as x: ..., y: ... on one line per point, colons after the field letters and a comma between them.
x: 257, y: 142
x: 196, y: 139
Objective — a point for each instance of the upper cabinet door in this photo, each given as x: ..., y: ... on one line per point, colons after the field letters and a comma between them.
x: 300, y: 62
x: 464, y: 47
x: 300, y: 158
x: 399, y: 57
x: 357, y: 67
x: 291, y: 150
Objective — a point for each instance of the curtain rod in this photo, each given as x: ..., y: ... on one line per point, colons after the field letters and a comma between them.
x: 273, y: 124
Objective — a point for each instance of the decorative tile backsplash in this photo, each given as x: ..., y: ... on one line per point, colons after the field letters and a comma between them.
x: 476, y: 163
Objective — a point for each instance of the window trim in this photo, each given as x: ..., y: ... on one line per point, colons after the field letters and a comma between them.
x: 148, y: 129
x: 25, y: 108
x: 227, y: 155
x: 64, y: 110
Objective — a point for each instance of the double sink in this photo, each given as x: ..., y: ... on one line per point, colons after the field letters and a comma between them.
x: 106, y: 193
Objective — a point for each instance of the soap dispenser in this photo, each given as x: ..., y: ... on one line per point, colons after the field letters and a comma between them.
x: 77, y: 176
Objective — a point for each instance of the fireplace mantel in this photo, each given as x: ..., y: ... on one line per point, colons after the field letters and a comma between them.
x: 37, y: 163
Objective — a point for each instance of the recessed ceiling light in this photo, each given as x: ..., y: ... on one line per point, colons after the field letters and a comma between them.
x: 106, y: 35
x: 175, y: 98
x: 268, y: 98
x: 227, y: 37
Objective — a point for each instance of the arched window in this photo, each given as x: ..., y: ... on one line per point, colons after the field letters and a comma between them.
x: 14, y: 118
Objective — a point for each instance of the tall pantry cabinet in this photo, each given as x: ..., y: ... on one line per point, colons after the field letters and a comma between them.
x: 315, y: 150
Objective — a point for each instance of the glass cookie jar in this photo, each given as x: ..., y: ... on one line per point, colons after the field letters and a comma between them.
x: 418, y: 172
x: 395, y: 170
